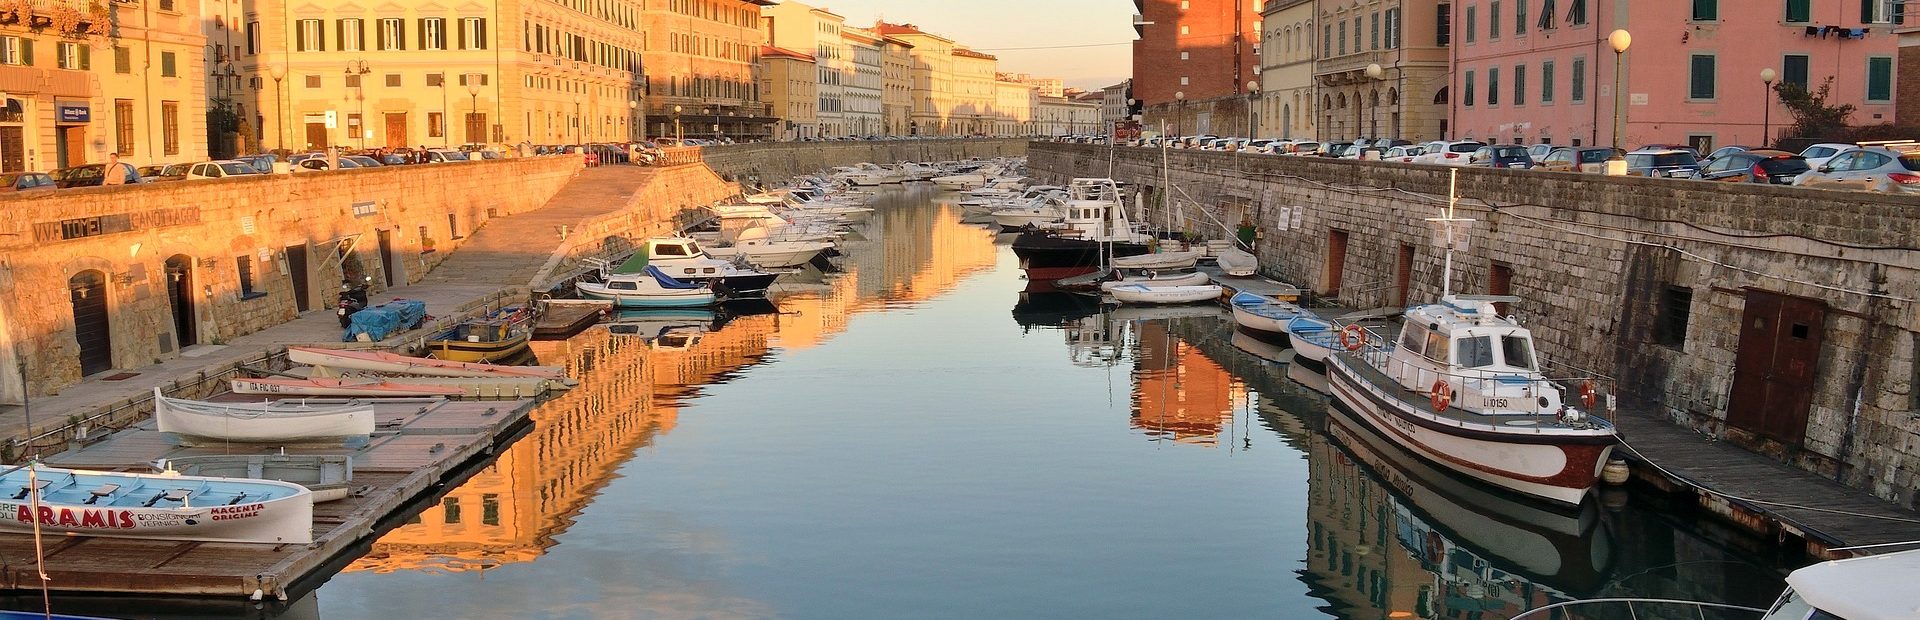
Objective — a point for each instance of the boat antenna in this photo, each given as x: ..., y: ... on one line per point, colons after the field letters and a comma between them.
x: 39, y: 553
x: 1446, y: 265
x: 1166, y: 181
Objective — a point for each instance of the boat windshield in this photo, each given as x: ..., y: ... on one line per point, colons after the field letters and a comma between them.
x: 1413, y: 337
x: 1791, y: 605
x: 1437, y: 347
x: 1474, y: 352
x: 1517, y: 351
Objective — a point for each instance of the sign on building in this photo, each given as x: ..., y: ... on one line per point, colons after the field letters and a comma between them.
x: 74, y: 112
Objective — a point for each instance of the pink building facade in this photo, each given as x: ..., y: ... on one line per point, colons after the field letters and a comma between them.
x: 1542, y: 71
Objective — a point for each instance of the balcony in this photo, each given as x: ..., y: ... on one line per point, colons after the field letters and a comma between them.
x: 1350, y: 68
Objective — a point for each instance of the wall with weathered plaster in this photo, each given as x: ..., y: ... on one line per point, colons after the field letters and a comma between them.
x: 772, y: 162
x: 128, y: 233
x: 1590, y: 255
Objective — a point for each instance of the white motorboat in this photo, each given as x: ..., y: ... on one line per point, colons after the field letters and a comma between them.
x: 323, y: 386
x: 1184, y: 259
x: 1038, y: 212
x: 961, y: 182
x: 396, y: 364
x: 156, y: 506
x: 200, y: 422
x: 1874, y: 587
x: 682, y: 259
x: 650, y: 288
x: 1263, y: 314
x: 763, y: 252
x: 1144, y: 294
x: 1236, y: 262
x: 1155, y: 278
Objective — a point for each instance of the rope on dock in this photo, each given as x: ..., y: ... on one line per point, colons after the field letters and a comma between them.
x: 1709, y: 491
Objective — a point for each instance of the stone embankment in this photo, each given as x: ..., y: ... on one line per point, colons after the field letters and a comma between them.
x: 1777, y: 318
x: 772, y: 162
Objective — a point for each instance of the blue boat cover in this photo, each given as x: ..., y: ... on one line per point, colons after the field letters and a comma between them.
x: 667, y: 281
x: 385, y: 320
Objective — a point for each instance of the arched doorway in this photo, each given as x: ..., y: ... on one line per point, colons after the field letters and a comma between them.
x: 1286, y: 121
x: 180, y: 299
x: 88, y: 291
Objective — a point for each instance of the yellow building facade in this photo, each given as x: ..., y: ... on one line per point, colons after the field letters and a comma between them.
x: 896, y: 78
x: 1013, y: 107
x: 788, y: 84
x: 82, y: 79
x: 700, y: 57
x: 974, y: 92
x: 931, y: 72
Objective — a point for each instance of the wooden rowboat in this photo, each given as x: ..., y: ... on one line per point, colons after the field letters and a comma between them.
x: 199, y: 422
x: 327, y: 475
x: 391, y: 363
x: 322, y: 386
x: 1144, y: 294
x: 155, y: 506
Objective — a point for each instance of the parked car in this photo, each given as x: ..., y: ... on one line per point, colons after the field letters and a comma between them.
x: 1673, y: 147
x: 308, y: 162
x: 1335, y: 149
x: 437, y: 156
x: 1755, y: 166
x: 220, y: 169
x: 1403, y: 154
x: 1583, y: 159
x: 25, y: 181
x: 1892, y: 168
x: 1818, y: 154
x: 1668, y: 163
x: 157, y: 173
x: 1449, y: 153
x: 1539, y: 151
x: 1305, y: 147
x: 362, y: 161
x: 1723, y: 152
x: 1501, y: 156
x: 91, y: 175
x: 262, y: 162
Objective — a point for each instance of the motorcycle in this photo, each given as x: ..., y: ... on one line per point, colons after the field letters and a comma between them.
x: 353, y: 298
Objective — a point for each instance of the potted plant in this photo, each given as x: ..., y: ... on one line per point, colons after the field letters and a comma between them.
x: 65, y: 19
x: 14, y: 11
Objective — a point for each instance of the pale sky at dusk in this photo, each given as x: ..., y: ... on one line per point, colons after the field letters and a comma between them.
x: 986, y: 25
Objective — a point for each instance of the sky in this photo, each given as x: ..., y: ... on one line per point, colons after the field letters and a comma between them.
x: 1102, y: 28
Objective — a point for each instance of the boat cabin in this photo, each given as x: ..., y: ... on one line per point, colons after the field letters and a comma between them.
x: 1485, y: 359
x: 1877, y: 587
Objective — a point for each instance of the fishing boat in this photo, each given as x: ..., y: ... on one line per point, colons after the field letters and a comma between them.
x: 498, y: 336
x: 288, y: 421
x: 327, y: 475
x: 393, y: 363
x: 1312, y: 338
x: 1262, y: 314
x: 683, y: 259
x: 1145, y: 294
x: 324, y: 386
x: 1094, y: 230
x: 1183, y: 259
x: 1152, y: 278
x: 648, y: 289
x: 155, y: 506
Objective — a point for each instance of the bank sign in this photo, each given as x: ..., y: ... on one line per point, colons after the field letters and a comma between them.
x: 75, y: 113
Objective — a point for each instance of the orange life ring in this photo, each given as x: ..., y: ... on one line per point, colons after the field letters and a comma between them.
x: 1436, y: 548
x: 1353, y: 337
x: 1588, y: 396
x: 1442, y: 395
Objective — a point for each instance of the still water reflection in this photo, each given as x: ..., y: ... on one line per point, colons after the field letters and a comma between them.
x: 890, y: 445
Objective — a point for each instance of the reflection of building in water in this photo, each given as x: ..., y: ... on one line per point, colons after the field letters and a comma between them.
x: 1178, y: 392
x: 510, y: 511
x: 919, y: 253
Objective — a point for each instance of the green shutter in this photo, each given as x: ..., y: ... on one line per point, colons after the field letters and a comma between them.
x: 26, y: 51
x: 1879, y: 79
x: 481, y: 31
x: 86, y: 57
x: 1706, y: 10
x: 1702, y: 82
x: 1799, y: 11
x: 299, y: 38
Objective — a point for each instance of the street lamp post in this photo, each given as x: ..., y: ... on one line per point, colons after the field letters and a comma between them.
x: 1620, y: 40
x: 1253, y: 97
x: 633, y: 119
x: 1767, y: 76
x: 576, y: 119
x: 677, y: 136
x: 279, y: 72
x: 473, y: 98
x: 1375, y: 73
x: 1180, y: 117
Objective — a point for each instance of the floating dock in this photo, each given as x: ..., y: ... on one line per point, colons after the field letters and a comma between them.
x: 419, y: 445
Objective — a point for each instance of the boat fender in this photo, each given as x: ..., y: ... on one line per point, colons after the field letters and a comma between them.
x: 1588, y: 396
x: 1442, y: 395
x: 1353, y: 337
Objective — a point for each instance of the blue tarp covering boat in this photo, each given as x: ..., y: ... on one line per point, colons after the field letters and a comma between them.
x: 385, y: 320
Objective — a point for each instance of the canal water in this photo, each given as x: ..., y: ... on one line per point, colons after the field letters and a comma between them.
x: 914, y: 437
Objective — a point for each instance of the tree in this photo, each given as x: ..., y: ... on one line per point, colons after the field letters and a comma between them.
x: 1812, y: 116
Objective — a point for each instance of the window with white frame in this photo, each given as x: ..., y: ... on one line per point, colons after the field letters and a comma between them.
x: 433, y: 33
x: 351, y: 33
x: 393, y: 34
x: 309, y: 36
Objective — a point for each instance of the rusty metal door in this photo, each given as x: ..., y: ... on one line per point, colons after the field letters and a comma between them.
x: 1403, y: 276
x: 1773, y: 373
x: 91, y: 327
x: 1500, y: 282
x: 1336, y: 262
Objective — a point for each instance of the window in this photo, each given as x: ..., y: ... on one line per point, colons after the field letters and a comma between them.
x: 1793, y: 70
x: 490, y: 509
x: 253, y: 38
x: 1799, y: 11
x: 1578, y: 91
x: 1474, y: 352
x: 1880, y: 11
x: 393, y: 80
x: 1185, y: 30
x: 1373, y: 27
x: 1183, y: 55
x: 436, y: 79
x: 1493, y: 19
x: 353, y: 80
x: 16, y: 51
x: 1467, y: 100
x: 168, y: 67
x: 75, y: 56
x: 1547, y: 16
x: 1343, y: 38
x: 1326, y: 41
x: 473, y: 33
x: 1393, y: 28
x: 170, y: 127
x: 351, y: 33
x: 1670, y: 326
x: 1438, y: 347
x: 1516, y: 351
x: 1183, y: 80
x: 450, y: 509
x: 1473, y: 21
x: 1519, y: 84
x: 1700, y: 81
x: 307, y: 36
x: 1546, y: 83
x: 433, y: 33
x: 393, y: 35
x: 244, y: 266
x: 122, y: 59
x: 1520, y: 17
x: 1493, y: 86
x: 313, y: 81
x: 123, y: 126
x: 436, y: 125
x: 1706, y: 10
x: 1443, y: 26
x: 1880, y: 78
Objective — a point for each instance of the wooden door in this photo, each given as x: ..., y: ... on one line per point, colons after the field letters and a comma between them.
x: 13, y: 149
x: 297, y: 267
x: 1773, y: 372
x: 91, y: 329
x: 180, y: 299
x: 1500, y: 282
x: 1336, y: 262
x: 1403, y: 276
x: 386, y: 256
x: 73, y: 146
x: 316, y: 136
x: 396, y: 129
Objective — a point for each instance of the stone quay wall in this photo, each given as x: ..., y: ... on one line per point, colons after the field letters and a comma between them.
x: 399, y: 220
x: 1646, y: 280
x: 769, y: 162
x: 671, y: 201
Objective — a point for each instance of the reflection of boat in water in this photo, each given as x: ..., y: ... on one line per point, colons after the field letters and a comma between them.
x: 1460, y: 525
x: 1307, y: 374
x: 671, y: 327
x: 1053, y: 309
x: 1260, y: 348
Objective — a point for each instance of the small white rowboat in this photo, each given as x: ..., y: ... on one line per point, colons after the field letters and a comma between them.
x: 1158, y: 260
x: 383, y: 362
x: 155, y: 506
x: 1143, y: 294
x: 338, y: 387
x: 197, y: 422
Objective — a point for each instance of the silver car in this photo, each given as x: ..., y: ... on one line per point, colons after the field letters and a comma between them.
x: 1889, y: 169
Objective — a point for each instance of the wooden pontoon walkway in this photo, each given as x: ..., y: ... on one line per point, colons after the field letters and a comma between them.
x: 420, y: 444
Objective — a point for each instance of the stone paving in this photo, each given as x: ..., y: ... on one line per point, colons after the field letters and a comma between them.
x: 507, y: 252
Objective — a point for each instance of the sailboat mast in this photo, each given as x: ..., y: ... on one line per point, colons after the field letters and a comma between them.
x: 1166, y: 184
x: 1446, y: 266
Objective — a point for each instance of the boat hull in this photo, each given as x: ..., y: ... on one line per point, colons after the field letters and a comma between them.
x: 1311, y: 339
x: 198, y: 423
x: 138, y: 506
x: 1558, y: 467
x: 1043, y: 250
x: 478, y: 352
x: 1140, y: 294
x: 318, y: 386
x: 1253, y: 322
x: 383, y: 362
x: 690, y: 298
x: 1159, y: 260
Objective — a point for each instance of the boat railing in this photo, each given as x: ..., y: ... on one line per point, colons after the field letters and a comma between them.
x: 1479, y: 390
x: 1643, y: 608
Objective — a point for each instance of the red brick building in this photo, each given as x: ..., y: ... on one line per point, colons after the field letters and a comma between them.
x: 1206, y: 50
